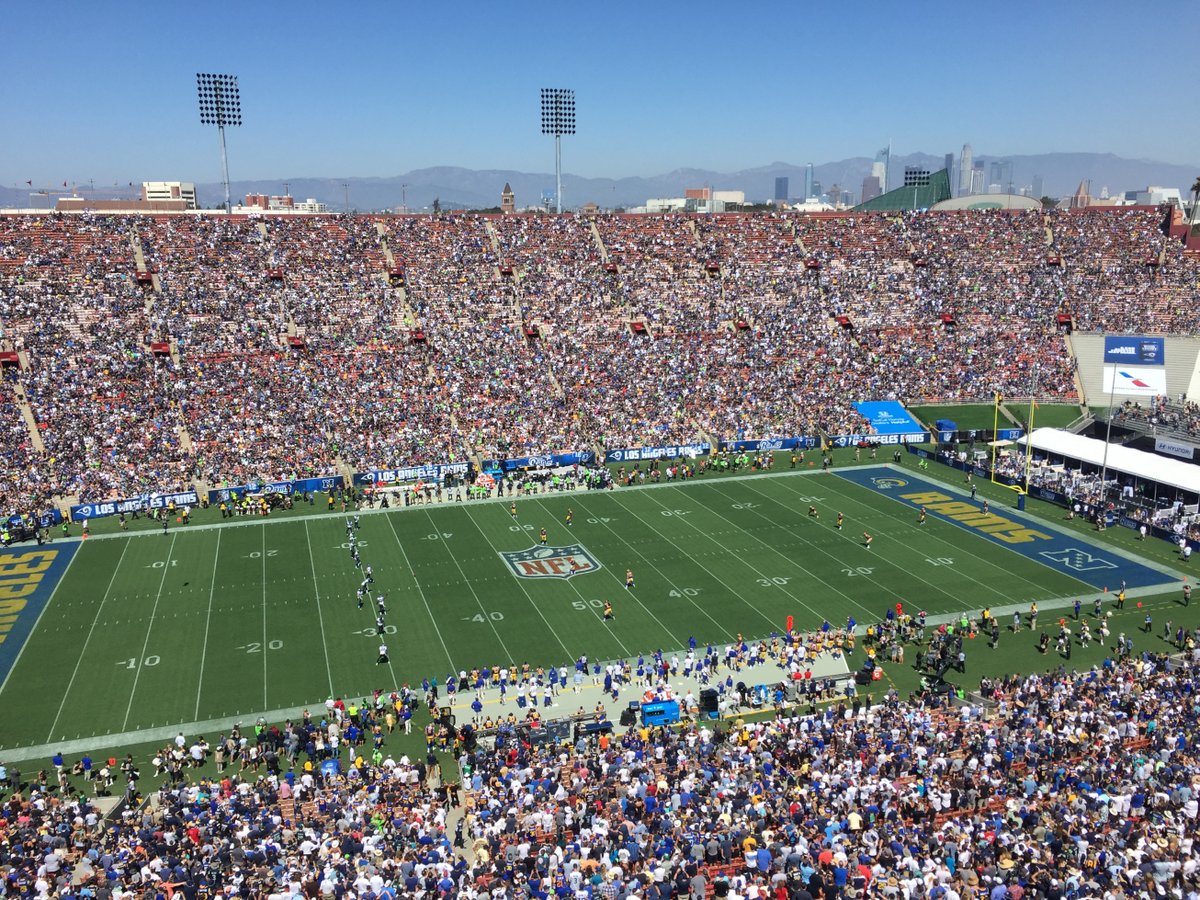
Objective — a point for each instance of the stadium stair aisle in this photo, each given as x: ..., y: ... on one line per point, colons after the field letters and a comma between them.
x: 35, y: 436
x: 599, y: 241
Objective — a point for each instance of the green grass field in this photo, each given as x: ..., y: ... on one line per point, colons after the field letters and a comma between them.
x: 1047, y: 415
x: 982, y: 415
x: 966, y: 415
x: 215, y: 621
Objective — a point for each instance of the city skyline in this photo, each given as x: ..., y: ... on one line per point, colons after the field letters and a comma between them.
x: 675, y: 86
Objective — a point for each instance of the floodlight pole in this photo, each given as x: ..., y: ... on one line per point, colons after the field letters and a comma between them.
x: 558, y: 173
x: 225, y: 170
x: 220, y: 105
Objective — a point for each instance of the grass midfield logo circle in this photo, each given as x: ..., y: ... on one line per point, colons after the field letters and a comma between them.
x: 550, y: 562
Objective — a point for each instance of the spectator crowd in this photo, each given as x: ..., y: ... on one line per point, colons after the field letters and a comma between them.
x: 158, y: 350
x: 1062, y: 784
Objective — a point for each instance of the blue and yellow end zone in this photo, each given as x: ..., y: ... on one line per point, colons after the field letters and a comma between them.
x: 1070, y: 554
x: 28, y: 576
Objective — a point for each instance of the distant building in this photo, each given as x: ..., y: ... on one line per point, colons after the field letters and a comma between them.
x: 871, y: 188
x: 879, y: 170
x: 948, y: 165
x: 158, y: 191
x: 664, y: 204
x: 157, y: 196
x: 1081, y: 199
x: 882, y: 165
x: 1000, y: 176
x: 781, y: 189
x: 701, y: 200
x: 1155, y: 196
x: 260, y: 203
x: 508, y: 201
x: 808, y: 183
x: 976, y: 183
x: 1037, y: 187
x: 966, y: 165
x: 311, y: 205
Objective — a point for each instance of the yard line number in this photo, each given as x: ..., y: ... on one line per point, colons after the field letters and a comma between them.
x: 256, y: 647
x: 133, y: 662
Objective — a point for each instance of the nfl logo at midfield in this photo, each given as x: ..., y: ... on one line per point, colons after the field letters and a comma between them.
x: 551, y: 562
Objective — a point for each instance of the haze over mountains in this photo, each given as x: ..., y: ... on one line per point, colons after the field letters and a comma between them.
x: 457, y: 187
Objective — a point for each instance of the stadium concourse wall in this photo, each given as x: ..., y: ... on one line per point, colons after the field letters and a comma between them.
x: 1086, y: 509
x: 1113, y: 366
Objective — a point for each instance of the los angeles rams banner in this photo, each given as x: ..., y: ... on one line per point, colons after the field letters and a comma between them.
x: 132, y: 504
x: 545, y: 461
x: 850, y: 440
x: 982, y: 434
x: 42, y: 520
x: 410, y: 473
x: 1134, y: 350
x: 637, y: 454
x: 766, y: 445
x: 299, y: 486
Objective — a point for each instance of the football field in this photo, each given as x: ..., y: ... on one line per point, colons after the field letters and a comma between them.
x: 121, y: 635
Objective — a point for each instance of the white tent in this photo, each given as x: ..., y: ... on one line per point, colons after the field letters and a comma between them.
x: 1121, y: 460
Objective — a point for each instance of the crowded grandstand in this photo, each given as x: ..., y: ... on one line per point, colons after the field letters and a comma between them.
x: 156, y: 352
x: 169, y: 353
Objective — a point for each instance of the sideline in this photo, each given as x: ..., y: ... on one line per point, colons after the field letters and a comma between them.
x: 424, y: 507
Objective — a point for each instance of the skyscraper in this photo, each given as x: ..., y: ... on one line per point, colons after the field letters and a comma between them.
x: 1001, y: 175
x: 1037, y: 187
x: 781, y: 189
x: 883, y: 162
x: 808, y: 182
x: 965, y: 168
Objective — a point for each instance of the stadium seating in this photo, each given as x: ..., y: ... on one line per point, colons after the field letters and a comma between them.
x: 291, y: 350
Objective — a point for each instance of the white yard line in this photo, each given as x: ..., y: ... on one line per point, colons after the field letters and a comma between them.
x: 674, y: 585
x: 837, y: 489
x: 421, y: 591
x: 507, y: 655
x: 264, y: 612
x: 212, y: 587
x: 320, y: 616
x: 596, y: 614
x: 791, y: 562
x: 137, y: 672
x: 86, y: 641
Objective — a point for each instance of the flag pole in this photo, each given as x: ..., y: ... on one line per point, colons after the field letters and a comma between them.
x: 995, y: 429
x: 1029, y: 437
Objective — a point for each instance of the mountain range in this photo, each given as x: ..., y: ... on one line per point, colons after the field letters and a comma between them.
x: 455, y: 187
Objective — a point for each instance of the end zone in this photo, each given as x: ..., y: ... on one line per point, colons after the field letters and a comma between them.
x: 1072, y: 554
x: 28, y: 577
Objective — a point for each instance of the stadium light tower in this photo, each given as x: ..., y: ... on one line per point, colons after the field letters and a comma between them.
x: 558, y: 118
x: 220, y: 105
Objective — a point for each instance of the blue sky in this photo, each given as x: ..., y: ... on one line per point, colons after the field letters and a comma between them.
x: 106, y: 90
